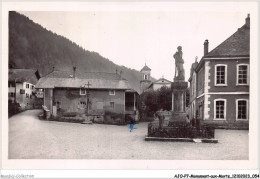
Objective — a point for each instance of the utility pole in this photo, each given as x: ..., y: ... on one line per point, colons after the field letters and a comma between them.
x: 15, y: 90
x: 88, y: 95
x: 87, y: 121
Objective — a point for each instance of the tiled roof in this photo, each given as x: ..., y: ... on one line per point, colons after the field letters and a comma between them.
x: 236, y: 45
x: 22, y: 75
x: 84, y: 75
x: 146, y: 68
x: 98, y: 80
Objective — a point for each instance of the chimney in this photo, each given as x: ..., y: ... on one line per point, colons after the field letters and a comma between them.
x: 74, y: 72
x: 37, y: 74
x: 206, y: 47
x: 248, y: 21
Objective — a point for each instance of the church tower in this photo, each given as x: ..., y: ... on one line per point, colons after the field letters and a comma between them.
x: 146, y: 78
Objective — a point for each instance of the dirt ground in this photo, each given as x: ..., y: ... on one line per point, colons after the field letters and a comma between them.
x: 31, y: 138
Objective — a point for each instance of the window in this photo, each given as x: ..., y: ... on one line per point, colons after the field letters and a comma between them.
x: 11, y: 94
x: 82, y: 91
x: 220, y: 109
x: 10, y: 84
x: 242, y: 74
x: 22, y: 91
x: 220, y: 75
x: 32, y: 87
x: 112, y: 105
x: 27, y: 95
x: 112, y: 92
x: 27, y: 85
x: 242, y: 109
x: 146, y: 77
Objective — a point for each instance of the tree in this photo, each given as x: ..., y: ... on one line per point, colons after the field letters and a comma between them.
x: 151, y: 101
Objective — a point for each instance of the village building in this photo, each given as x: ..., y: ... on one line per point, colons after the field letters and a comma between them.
x: 106, y: 97
x: 146, y: 82
x: 219, y: 83
x: 160, y: 83
x: 21, y: 88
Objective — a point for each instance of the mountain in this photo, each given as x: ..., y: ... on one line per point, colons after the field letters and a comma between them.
x: 33, y: 46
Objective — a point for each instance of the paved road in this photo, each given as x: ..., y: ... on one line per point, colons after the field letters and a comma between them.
x: 31, y: 138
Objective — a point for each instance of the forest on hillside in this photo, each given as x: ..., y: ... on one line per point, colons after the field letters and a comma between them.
x: 33, y: 46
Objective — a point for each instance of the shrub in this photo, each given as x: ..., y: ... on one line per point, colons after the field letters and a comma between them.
x: 13, y: 108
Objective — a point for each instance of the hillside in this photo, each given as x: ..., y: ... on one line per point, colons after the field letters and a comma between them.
x: 32, y: 46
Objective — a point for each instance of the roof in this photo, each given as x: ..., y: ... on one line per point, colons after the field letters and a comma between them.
x: 22, y: 75
x: 146, y: 68
x: 193, y: 68
x: 162, y: 80
x: 98, y: 80
x: 236, y: 45
x: 159, y: 82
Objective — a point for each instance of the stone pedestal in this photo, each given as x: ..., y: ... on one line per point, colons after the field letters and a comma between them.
x: 178, y: 100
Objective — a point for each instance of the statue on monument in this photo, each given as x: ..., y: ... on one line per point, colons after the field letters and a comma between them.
x: 179, y: 70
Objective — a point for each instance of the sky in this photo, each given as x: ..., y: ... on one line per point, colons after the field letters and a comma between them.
x: 133, y: 38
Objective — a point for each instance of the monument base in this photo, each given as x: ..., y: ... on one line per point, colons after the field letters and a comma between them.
x: 202, y: 140
x: 178, y: 116
x: 178, y: 101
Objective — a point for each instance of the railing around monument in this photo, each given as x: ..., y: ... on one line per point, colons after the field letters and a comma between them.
x: 179, y: 129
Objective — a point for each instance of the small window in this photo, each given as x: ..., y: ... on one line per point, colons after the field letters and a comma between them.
x: 10, y: 84
x: 12, y: 94
x: 146, y: 77
x: 242, y: 74
x: 27, y: 85
x: 22, y: 91
x: 82, y: 91
x: 27, y: 95
x: 32, y: 87
x: 30, y: 96
x: 220, y: 109
x: 112, y: 105
x: 221, y: 75
x: 242, y: 109
x: 112, y: 92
